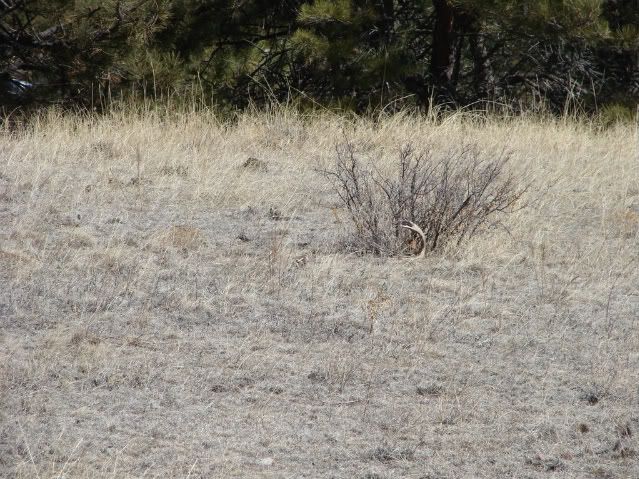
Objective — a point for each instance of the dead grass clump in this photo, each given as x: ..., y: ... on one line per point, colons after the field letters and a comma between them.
x: 11, y: 259
x: 104, y: 149
x: 387, y: 453
x: 181, y: 237
x: 175, y: 170
x: 451, y: 196
x: 624, y: 223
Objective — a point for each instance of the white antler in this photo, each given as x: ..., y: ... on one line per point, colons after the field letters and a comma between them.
x: 413, y: 227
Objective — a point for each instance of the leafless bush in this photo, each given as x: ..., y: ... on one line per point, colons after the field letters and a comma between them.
x: 451, y: 196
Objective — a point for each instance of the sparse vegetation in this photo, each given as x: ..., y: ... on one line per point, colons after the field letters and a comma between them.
x: 169, y: 308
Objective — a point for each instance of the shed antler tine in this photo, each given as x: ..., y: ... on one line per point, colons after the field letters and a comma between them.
x: 413, y: 227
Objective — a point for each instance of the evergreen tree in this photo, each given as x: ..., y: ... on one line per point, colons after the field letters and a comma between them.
x: 236, y: 50
x: 351, y: 52
x: 489, y: 49
x: 620, y: 54
x: 68, y: 49
x: 357, y: 54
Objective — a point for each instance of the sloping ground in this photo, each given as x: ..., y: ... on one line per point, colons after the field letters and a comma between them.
x: 171, y: 309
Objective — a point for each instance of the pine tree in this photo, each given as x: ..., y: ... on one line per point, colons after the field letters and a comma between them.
x: 496, y: 48
x: 358, y: 54
x: 68, y: 49
x: 236, y: 51
x: 352, y: 52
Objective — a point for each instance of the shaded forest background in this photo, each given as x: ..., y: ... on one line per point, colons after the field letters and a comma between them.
x: 360, y: 55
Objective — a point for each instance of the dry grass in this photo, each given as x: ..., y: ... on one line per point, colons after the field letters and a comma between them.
x: 185, y: 312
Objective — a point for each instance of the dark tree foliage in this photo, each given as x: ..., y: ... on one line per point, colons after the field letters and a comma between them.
x: 61, y: 50
x: 355, y: 54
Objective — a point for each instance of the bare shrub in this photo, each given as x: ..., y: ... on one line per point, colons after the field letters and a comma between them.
x: 451, y: 196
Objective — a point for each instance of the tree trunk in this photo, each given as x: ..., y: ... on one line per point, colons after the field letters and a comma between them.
x: 483, y: 77
x: 443, y: 50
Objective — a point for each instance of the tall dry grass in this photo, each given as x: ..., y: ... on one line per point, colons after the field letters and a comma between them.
x: 169, y: 308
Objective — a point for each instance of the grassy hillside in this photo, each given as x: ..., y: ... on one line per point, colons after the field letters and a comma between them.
x: 170, y: 309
